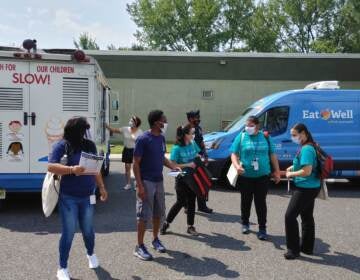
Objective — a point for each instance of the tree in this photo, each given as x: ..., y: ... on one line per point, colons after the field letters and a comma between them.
x: 263, y: 31
x: 181, y: 25
x: 85, y: 42
x: 248, y: 25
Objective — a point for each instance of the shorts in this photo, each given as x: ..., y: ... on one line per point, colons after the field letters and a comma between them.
x: 127, y: 155
x: 154, y: 204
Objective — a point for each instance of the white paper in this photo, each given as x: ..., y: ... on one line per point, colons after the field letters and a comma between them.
x: 232, y: 175
x: 92, y: 163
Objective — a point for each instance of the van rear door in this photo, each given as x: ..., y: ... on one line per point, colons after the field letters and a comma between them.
x: 61, y: 93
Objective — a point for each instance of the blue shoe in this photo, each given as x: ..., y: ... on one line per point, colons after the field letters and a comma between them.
x: 142, y: 253
x: 262, y: 235
x: 245, y: 229
x: 156, y: 244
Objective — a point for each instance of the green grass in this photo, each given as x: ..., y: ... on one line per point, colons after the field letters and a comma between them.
x: 117, y: 148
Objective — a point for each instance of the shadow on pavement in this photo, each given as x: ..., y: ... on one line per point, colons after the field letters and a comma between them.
x: 218, y: 241
x: 197, y: 267
x: 322, y: 254
x: 336, y: 259
x: 23, y: 212
x: 102, y: 274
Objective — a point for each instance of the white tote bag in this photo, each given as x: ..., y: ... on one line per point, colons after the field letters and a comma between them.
x: 50, y: 192
x: 232, y: 175
x: 323, y: 194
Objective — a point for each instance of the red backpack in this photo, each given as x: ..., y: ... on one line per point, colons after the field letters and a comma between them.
x: 325, y: 162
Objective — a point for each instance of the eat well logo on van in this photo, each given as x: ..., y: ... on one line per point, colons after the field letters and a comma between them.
x: 330, y: 115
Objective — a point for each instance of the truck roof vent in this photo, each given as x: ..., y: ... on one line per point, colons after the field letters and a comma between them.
x: 324, y: 85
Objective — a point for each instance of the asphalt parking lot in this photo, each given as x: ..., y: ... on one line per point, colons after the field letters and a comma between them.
x: 29, y: 242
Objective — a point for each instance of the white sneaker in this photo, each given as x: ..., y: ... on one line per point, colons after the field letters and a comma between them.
x: 93, y: 261
x: 127, y: 187
x: 63, y: 274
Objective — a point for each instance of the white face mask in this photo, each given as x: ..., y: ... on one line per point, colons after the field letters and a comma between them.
x: 250, y: 129
x: 163, y: 129
x: 131, y: 123
x: 295, y: 139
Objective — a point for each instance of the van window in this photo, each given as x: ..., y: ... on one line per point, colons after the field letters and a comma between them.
x: 240, y: 121
x: 275, y: 120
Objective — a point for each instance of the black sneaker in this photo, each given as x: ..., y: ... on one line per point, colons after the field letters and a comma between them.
x: 262, y: 235
x: 206, y: 210
x: 307, y: 252
x: 192, y: 231
x: 164, y: 228
x: 289, y: 255
x: 245, y: 229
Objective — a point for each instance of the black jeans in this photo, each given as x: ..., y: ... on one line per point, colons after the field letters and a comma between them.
x: 301, y: 203
x: 185, y: 197
x: 254, y: 189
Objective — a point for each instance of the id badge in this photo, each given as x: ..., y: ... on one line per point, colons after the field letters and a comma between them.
x: 255, y: 164
x: 93, y: 199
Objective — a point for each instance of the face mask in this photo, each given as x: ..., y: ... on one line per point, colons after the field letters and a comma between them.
x: 163, y: 129
x: 295, y: 139
x: 131, y: 123
x: 250, y: 129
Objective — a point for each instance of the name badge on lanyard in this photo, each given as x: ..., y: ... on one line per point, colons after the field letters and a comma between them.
x: 255, y: 164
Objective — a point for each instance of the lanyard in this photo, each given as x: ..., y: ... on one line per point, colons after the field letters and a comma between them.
x: 255, y: 146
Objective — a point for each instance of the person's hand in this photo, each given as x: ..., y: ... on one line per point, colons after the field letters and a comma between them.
x: 192, y: 165
x: 103, y: 194
x: 78, y: 170
x: 277, y: 177
x: 240, y: 170
x: 289, y: 174
x: 140, y: 191
x: 175, y: 167
x: 289, y: 168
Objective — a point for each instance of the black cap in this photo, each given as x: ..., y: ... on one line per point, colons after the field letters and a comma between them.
x: 193, y: 114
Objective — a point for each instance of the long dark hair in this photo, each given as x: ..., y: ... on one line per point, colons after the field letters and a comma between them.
x: 75, y: 130
x: 181, y: 131
x: 300, y: 127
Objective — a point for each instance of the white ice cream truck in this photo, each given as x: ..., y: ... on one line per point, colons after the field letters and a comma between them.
x: 39, y: 92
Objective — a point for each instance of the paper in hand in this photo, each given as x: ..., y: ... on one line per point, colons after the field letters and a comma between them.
x: 92, y: 163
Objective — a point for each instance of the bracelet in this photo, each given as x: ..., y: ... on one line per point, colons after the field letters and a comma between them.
x: 70, y: 170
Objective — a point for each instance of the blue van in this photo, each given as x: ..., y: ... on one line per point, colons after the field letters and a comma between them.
x: 331, y: 114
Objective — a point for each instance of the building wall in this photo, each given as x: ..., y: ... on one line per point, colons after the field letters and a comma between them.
x: 177, y: 96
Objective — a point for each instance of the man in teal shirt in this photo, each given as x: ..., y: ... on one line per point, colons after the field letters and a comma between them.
x: 252, y: 154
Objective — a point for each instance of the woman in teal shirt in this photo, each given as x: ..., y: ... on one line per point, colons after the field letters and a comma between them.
x: 307, y: 186
x: 183, y: 154
x: 252, y: 154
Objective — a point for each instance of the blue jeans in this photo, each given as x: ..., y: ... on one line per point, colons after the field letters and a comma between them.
x: 72, y: 210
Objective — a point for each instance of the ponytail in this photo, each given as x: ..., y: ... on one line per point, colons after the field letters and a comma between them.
x: 300, y: 127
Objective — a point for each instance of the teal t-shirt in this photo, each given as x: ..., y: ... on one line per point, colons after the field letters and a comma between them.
x: 184, y: 154
x: 251, y: 147
x: 307, y: 156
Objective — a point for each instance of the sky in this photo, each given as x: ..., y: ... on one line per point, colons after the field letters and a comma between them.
x: 56, y: 23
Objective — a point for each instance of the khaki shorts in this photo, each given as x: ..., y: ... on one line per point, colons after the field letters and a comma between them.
x: 154, y: 204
